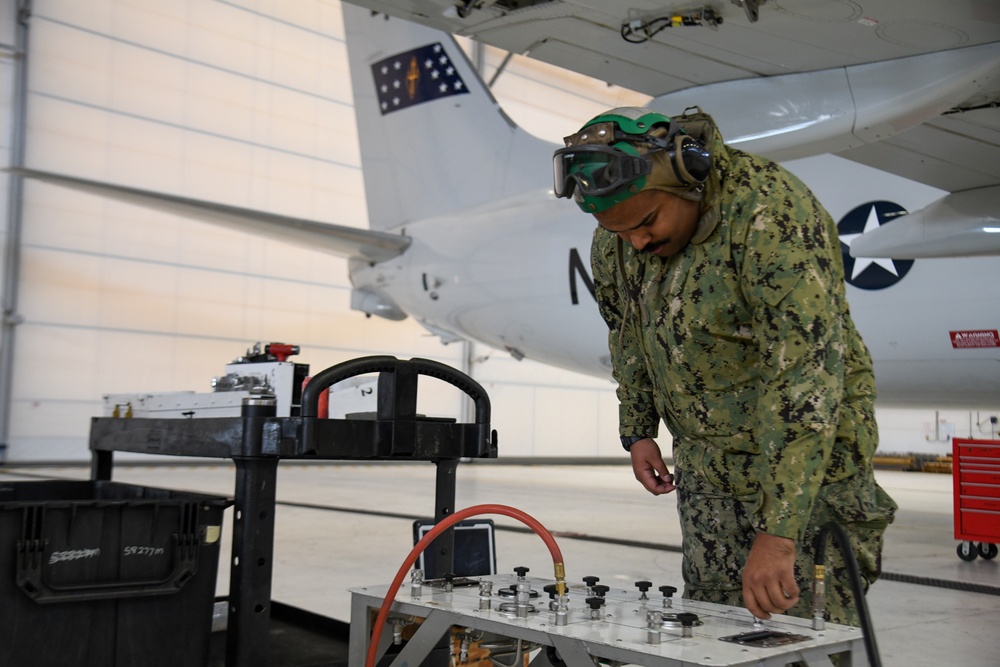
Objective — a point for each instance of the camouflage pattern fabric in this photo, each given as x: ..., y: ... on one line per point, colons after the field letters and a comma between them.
x: 718, y: 533
x: 744, y: 346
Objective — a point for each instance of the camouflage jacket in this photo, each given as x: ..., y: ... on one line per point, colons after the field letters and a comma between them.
x: 743, y: 344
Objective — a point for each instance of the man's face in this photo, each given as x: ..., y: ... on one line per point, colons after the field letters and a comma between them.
x: 653, y: 221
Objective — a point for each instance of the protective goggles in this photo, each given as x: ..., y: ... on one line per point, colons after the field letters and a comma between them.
x: 596, y: 169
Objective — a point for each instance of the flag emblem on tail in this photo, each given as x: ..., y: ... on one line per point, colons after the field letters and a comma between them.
x: 420, y: 75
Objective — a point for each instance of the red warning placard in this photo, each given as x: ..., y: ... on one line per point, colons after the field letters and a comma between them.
x: 980, y: 338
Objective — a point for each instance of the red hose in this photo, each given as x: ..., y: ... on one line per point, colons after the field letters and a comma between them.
x: 444, y: 524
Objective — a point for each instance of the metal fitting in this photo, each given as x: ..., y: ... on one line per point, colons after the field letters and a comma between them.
x: 653, y: 621
x: 485, y: 595
x: 416, y: 583
x: 522, y: 597
x: 562, y: 610
x: 819, y: 598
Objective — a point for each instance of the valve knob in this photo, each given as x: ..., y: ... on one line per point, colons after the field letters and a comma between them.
x: 643, y: 586
x: 591, y: 580
x: 595, y: 603
x: 551, y: 590
x: 520, y: 571
x: 668, y: 591
x: 687, y: 621
x: 600, y: 590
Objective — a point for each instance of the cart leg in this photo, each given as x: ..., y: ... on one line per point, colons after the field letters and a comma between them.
x: 247, y: 637
x: 101, y: 464
x: 444, y: 506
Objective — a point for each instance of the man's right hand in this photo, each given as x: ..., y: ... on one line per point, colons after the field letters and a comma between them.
x: 649, y: 467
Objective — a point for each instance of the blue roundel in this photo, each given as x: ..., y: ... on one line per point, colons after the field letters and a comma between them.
x: 866, y: 272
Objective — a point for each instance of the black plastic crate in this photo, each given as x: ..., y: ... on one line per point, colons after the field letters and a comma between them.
x: 104, y: 574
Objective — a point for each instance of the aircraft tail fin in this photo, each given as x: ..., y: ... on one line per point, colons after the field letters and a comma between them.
x: 433, y: 139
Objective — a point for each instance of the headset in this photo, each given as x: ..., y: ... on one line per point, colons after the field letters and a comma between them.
x: 616, y: 154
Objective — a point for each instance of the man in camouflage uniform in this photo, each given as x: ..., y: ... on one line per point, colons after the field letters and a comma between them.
x: 721, y: 281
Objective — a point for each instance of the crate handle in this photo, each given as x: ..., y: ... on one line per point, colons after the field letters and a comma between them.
x: 30, y: 576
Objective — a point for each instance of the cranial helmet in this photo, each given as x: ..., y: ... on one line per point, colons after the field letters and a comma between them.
x: 624, y: 151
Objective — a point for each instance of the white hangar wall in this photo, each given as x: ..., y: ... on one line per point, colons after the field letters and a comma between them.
x: 247, y: 103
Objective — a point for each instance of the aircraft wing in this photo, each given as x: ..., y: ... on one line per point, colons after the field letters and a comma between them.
x: 644, y: 46
x: 905, y: 86
x: 337, y: 239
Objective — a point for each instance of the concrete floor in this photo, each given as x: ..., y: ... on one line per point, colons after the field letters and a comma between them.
x: 350, y: 542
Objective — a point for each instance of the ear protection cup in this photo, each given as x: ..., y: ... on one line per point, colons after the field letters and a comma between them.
x: 691, y: 161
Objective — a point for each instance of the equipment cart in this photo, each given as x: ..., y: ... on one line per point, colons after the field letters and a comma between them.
x: 258, y: 439
x: 976, y: 476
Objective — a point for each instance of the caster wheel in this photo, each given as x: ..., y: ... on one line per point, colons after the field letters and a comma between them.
x: 988, y: 551
x: 967, y: 551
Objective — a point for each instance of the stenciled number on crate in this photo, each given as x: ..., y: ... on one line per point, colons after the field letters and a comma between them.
x: 73, y: 554
x: 142, y: 551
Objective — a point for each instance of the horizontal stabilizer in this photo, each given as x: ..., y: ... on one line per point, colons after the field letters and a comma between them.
x: 963, y: 224
x: 337, y: 239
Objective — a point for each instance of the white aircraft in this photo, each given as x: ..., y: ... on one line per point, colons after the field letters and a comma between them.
x: 467, y: 237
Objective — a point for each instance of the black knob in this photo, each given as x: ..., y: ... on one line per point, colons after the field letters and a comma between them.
x: 643, y: 586
x: 551, y: 590
x: 668, y: 591
x: 600, y: 590
x: 590, y: 581
x: 595, y: 603
x: 521, y: 571
x: 687, y: 619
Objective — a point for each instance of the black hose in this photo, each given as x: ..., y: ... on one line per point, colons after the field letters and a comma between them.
x: 553, y: 656
x: 854, y: 574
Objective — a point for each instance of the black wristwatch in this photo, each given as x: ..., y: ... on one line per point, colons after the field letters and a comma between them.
x: 629, y: 440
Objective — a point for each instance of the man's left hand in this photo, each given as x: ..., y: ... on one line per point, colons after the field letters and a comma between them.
x: 769, y: 576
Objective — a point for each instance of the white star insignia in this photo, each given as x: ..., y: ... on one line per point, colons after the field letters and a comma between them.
x: 862, y: 263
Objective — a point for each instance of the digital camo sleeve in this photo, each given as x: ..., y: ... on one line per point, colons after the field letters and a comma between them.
x: 636, y: 409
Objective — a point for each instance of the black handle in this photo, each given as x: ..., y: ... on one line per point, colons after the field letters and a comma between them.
x: 389, y: 364
x: 396, y: 392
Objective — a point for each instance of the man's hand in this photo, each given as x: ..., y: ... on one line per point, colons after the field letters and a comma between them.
x: 769, y: 576
x: 649, y: 468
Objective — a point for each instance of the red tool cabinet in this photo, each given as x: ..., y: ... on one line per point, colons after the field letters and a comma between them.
x: 976, y: 476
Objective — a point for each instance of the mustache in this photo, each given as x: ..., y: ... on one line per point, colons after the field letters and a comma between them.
x: 654, y: 246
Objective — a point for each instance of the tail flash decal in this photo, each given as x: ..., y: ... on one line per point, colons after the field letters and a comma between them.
x: 416, y: 76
